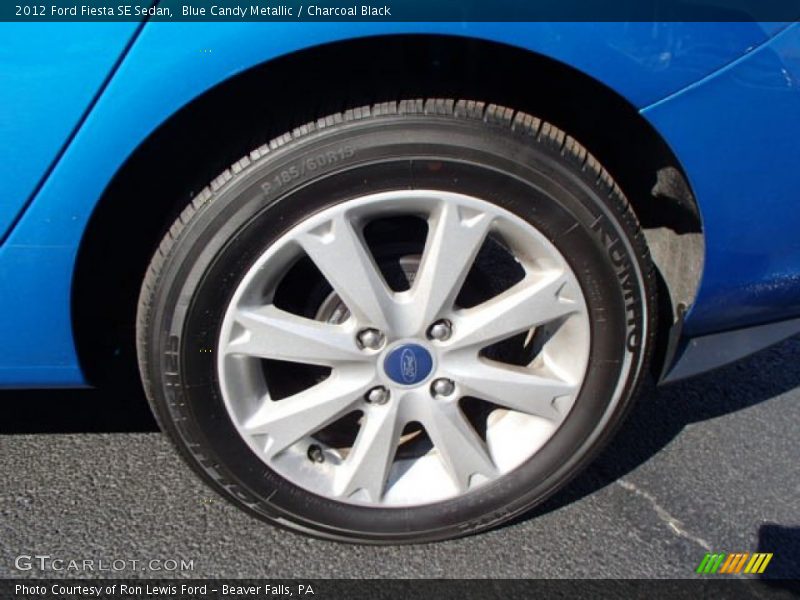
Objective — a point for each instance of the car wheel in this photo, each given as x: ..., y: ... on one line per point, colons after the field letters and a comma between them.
x: 401, y: 323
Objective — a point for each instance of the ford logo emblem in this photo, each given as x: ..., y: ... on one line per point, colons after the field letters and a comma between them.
x: 408, y: 365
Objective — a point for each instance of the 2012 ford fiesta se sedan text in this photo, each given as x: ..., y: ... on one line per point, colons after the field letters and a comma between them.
x: 394, y: 282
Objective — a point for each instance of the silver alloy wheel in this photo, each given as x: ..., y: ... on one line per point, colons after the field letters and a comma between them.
x: 414, y: 367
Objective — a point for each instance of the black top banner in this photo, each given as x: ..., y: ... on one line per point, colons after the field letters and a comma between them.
x: 400, y: 10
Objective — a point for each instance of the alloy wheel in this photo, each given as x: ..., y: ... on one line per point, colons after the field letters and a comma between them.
x: 415, y: 381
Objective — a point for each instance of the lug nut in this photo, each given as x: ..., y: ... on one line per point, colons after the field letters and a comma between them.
x: 442, y: 387
x: 377, y: 395
x: 370, y: 339
x: 440, y: 331
x: 315, y: 454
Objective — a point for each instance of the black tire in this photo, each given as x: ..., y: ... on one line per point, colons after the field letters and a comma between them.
x: 490, y: 152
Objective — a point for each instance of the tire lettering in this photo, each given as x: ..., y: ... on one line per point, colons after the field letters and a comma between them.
x: 308, y: 164
x: 625, y: 275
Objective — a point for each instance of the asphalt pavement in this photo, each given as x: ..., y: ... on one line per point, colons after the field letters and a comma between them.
x: 712, y: 464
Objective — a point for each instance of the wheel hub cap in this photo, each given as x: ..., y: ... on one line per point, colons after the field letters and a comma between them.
x: 408, y: 364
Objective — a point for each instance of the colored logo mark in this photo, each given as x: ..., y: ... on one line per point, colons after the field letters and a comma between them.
x: 408, y: 364
x: 741, y: 562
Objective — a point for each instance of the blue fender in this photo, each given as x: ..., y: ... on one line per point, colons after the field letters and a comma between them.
x: 737, y: 135
x: 49, y: 75
x: 172, y: 63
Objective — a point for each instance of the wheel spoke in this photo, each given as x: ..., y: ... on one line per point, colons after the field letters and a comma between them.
x: 454, y: 239
x: 279, y: 335
x: 290, y: 419
x: 338, y: 251
x: 462, y: 452
x: 367, y: 466
x: 525, y: 305
x: 512, y: 387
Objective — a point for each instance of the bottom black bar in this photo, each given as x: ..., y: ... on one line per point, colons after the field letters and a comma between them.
x: 405, y: 589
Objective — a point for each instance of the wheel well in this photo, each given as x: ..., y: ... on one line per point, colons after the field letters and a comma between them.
x: 225, y: 123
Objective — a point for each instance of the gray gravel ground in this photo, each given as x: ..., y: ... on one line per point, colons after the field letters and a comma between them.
x: 710, y: 464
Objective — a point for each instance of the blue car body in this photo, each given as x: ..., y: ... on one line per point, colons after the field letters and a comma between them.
x: 79, y: 99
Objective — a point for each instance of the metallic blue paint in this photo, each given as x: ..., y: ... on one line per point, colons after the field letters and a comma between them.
x: 738, y: 137
x: 49, y: 73
x: 732, y: 130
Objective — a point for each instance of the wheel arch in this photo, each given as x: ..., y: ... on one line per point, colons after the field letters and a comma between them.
x: 204, y: 137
